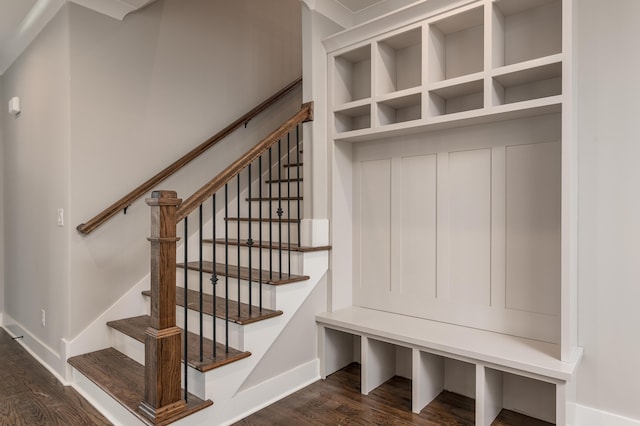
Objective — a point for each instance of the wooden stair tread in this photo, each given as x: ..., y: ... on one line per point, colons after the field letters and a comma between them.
x: 243, y: 318
x: 264, y: 219
x: 267, y: 244
x: 276, y: 278
x: 283, y: 180
x: 135, y: 328
x: 274, y: 199
x: 123, y: 379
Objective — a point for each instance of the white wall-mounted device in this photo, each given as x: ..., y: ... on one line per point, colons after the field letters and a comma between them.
x: 14, y: 105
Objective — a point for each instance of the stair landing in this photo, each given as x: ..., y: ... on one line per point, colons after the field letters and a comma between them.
x: 123, y: 379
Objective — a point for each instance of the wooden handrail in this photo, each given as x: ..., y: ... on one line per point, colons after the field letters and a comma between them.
x: 124, y: 202
x: 215, y: 184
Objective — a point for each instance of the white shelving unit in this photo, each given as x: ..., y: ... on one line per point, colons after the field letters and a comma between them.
x: 454, y: 132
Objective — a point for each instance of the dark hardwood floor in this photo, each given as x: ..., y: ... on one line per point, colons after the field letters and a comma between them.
x: 31, y: 395
x: 337, y: 401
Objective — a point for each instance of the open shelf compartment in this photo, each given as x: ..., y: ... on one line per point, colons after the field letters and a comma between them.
x: 352, y: 78
x: 457, y: 98
x: 525, y: 30
x: 456, y: 45
x: 354, y: 118
x: 400, y: 109
x: 400, y: 61
x: 527, y: 84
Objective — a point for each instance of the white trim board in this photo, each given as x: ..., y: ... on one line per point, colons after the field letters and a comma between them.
x: 587, y: 416
x: 46, y: 356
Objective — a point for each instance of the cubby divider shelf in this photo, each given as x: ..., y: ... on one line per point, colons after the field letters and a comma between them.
x: 355, y: 117
x: 456, y: 98
x: 352, y: 77
x: 527, y: 83
x: 400, y: 61
x: 525, y: 29
x: 456, y: 45
x: 400, y: 109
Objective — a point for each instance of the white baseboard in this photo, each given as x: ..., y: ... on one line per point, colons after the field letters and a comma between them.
x: 45, y: 355
x: 587, y: 416
x: 1, y: 319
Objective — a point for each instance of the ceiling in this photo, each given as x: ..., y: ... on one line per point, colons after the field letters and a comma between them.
x: 21, y: 20
x: 356, y: 6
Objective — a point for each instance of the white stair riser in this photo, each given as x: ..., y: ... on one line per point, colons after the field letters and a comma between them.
x: 279, y: 231
x: 271, y: 259
x: 236, y: 331
x: 289, y: 208
x: 286, y: 189
x: 268, y: 291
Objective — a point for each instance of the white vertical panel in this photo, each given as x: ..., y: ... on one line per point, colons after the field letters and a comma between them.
x: 418, y: 204
x: 533, y: 228
x: 375, y: 223
x: 396, y: 226
x: 470, y: 226
x: 427, y: 380
x: 442, y: 226
x: 498, y: 226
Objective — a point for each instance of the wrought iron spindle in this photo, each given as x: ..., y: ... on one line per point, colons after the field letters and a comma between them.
x: 260, y: 229
x: 289, y: 203
x: 238, y: 234
x: 270, y: 218
x: 185, y: 332
x: 226, y: 268
x: 249, y: 241
x: 298, y: 167
x: 214, y: 274
x: 279, y: 211
x: 201, y: 282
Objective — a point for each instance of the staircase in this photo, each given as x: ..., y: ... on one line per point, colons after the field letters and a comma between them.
x: 226, y: 274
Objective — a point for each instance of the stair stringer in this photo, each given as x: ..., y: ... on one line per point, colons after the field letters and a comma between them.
x: 223, y: 385
x: 98, y: 335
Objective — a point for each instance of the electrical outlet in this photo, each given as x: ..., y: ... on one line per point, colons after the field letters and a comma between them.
x: 43, y: 317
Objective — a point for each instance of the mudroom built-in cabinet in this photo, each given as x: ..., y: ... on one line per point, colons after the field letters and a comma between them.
x: 453, y: 156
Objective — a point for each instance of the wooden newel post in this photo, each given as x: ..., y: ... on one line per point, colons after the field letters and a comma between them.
x: 162, y: 394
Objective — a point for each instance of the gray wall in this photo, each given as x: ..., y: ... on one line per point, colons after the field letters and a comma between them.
x: 609, y: 209
x: 148, y: 89
x: 36, y: 184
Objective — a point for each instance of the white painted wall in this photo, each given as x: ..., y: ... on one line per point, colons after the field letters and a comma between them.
x: 36, y: 182
x: 609, y: 206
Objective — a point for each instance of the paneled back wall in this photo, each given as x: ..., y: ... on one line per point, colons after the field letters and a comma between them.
x: 462, y: 226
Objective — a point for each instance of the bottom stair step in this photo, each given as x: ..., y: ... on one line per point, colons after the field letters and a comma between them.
x: 135, y: 328
x: 123, y: 379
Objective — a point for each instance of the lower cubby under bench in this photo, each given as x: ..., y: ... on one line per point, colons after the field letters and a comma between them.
x: 498, y: 370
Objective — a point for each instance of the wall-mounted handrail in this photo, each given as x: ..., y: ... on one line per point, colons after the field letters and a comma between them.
x: 215, y: 184
x: 124, y: 202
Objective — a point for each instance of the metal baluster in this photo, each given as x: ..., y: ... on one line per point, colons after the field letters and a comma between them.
x: 214, y: 274
x: 226, y: 268
x: 280, y: 207
x: 289, y: 203
x: 200, y: 281
x: 270, y: 218
x: 298, y: 167
x: 186, y: 298
x: 249, y: 242
x: 238, y: 250
x: 260, y: 227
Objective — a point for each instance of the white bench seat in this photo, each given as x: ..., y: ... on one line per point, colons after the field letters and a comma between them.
x: 492, y: 353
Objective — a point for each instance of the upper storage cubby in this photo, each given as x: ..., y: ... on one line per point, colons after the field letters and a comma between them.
x: 400, y: 62
x: 525, y: 30
x: 456, y: 45
x: 352, y: 77
x: 527, y: 84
